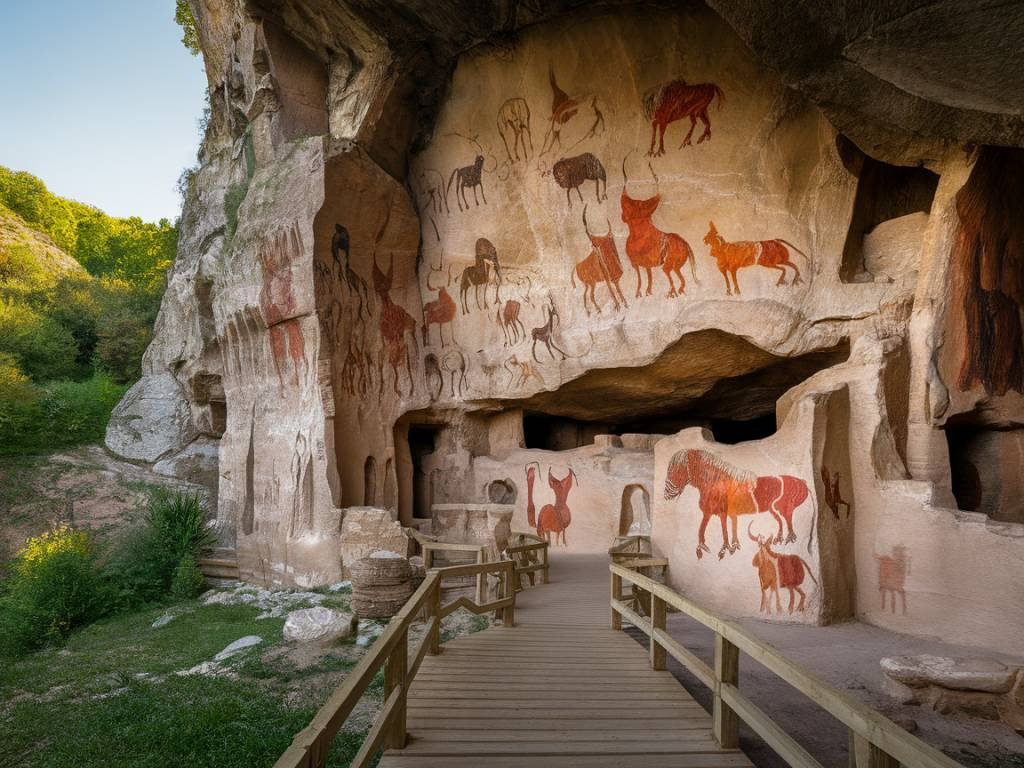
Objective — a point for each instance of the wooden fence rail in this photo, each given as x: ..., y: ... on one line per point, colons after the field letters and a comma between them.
x: 529, y: 552
x: 875, y: 741
x: 310, y: 747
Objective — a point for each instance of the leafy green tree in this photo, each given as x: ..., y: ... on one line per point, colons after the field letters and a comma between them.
x: 189, y: 32
x: 42, y: 347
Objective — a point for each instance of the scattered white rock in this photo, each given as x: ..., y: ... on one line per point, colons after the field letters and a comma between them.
x: 318, y: 624
x: 239, y: 645
x: 163, y: 621
x: 961, y: 674
x: 341, y: 585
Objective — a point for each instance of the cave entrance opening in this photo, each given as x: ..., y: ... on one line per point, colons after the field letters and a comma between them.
x: 984, y: 469
x: 422, y: 441
x: 708, y: 379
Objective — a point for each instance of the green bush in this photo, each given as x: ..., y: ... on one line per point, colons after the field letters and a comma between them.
x: 54, y: 587
x: 43, y: 347
x: 188, y: 579
x: 37, y: 418
x: 160, y: 556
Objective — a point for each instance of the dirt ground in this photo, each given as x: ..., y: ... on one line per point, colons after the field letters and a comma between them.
x: 847, y: 656
x: 84, y: 486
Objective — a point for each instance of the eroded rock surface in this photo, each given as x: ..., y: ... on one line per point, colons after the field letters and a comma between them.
x: 554, y: 256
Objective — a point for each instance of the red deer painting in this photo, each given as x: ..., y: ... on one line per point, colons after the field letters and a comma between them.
x: 674, y: 101
x: 776, y: 570
x: 728, y: 492
x: 552, y: 518
x: 732, y: 257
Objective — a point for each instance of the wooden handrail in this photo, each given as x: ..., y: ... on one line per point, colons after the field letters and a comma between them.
x: 875, y: 741
x: 526, y: 562
x: 310, y: 746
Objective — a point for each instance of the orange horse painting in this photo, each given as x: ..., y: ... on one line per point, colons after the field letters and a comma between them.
x: 728, y: 492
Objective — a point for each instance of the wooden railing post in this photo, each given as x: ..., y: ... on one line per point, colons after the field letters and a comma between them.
x: 546, y: 579
x: 864, y: 754
x: 658, y: 612
x: 434, y: 611
x: 481, y: 579
x: 508, y: 615
x: 726, y: 725
x: 395, y: 677
x: 616, y: 594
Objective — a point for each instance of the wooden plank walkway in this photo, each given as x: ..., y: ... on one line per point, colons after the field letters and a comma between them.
x: 559, y: 689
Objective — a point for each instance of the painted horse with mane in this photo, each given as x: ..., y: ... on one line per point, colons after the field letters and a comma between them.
x: 728, y: 492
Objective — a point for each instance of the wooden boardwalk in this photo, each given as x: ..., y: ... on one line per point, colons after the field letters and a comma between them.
x: 559, y: 689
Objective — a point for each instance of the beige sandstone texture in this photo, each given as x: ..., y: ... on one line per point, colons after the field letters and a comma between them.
x: 621, y: 269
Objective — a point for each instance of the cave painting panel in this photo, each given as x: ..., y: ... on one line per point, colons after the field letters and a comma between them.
x: 601, y: 265
x: 731, y: 257
x: 570, y: 173
x: 278, y: 303
x: 395, y: 323
x: 565, y: 110
x: 778, y: 570
x: 514, y: 128
x: 833, y: 495
x: 552, y: 520
x: 893, y: 570
x: 648, y: 247
x: 728, y: 492
x: 677, y: 100
x: 479, y: 275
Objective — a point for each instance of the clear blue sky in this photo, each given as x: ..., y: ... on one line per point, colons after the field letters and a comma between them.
x: 100, y: 100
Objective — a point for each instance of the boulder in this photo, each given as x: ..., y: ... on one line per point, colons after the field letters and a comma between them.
x: 961, y: 674
x: 238, y: 646
x: 152, y: 420
x: 196, y: 463
x: 319, y: 624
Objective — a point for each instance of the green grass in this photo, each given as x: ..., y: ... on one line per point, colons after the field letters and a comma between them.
x: 82, y: 705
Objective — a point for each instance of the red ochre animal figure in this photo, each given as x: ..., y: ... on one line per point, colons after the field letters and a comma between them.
x: 553, y: 518
x: 648, y: 247
x: 674, y: 101
x: 732, y: 257
x: 776, y: 570
x: 728, y: 492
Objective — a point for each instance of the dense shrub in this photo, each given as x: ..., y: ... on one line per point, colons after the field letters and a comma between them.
x: 60, y: 413
x: 160, y: 556
x: 43, y: 347
x: 54, y: 586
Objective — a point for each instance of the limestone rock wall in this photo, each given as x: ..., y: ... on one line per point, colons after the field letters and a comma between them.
x: 424, y: 264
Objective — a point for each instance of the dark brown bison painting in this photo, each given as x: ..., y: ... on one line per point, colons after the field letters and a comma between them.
x: 732, y: 257
x: 674, y: 101
x: 727, y: 492
x: 552, y: 519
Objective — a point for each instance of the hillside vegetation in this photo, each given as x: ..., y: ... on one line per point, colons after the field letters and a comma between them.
x: 79, y: 291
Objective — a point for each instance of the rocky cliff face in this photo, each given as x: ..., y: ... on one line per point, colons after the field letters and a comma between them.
x: 495, y: 252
